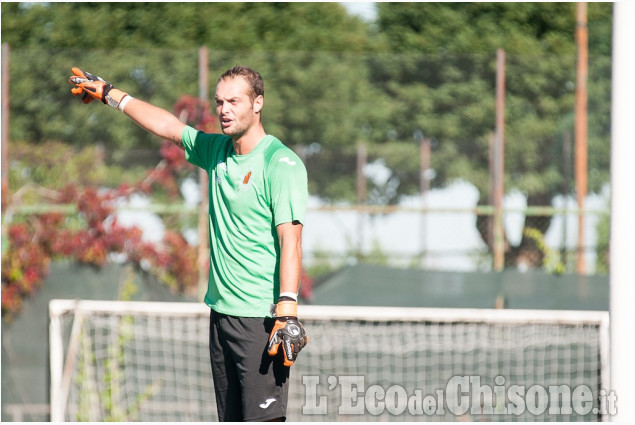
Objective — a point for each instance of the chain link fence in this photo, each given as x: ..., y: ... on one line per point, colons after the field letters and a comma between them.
x: 360, y: 123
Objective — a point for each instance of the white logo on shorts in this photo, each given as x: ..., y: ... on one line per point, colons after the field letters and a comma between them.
x: 267, y: 403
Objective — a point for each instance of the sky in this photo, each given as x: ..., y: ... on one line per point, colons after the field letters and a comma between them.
x: 366, y: 10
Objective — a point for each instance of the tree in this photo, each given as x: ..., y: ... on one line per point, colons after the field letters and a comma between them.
x: 150, y: 52
x: 57, y: 174
x: 91, y: 235
x: 446, y: 72
x: 307, y: 53
x: 332, y: 81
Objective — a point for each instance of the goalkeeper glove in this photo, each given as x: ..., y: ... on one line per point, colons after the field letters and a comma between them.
x: 94, y: 87
x: 287, y: 331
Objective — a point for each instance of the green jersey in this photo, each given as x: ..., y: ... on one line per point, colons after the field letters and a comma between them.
x: 249, y: 195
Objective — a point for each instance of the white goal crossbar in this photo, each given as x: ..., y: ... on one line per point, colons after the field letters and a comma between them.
x: 468, y: 334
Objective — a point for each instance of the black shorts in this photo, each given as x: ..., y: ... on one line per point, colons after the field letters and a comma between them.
x: 249, y: 384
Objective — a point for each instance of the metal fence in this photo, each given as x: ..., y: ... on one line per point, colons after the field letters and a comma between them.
x: 392, y: 177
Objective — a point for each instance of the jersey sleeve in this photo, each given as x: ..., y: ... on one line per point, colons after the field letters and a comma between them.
x: 289, y: 187
x: 199, y: 147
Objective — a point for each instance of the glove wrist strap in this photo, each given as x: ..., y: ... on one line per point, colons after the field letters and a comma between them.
x: 114, y: 96
x: 286, y: 308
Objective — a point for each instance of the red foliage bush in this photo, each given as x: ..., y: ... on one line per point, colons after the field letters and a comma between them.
x: 35, y: 242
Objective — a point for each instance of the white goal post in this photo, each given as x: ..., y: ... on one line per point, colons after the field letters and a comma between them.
x: 149, y: 361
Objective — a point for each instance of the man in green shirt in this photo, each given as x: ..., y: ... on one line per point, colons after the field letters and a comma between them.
x: 258, y: 195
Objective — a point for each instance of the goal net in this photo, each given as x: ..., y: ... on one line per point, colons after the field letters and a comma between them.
x: 149, y: 361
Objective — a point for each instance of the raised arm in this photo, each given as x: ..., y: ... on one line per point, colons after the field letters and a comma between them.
x: 155, y: 120
x: 151, y: 118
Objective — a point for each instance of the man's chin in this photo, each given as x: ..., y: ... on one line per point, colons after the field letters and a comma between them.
x: 233, y: 133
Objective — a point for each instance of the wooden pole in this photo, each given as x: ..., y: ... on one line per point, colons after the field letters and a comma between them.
x: 424, y: 181
x: 203, y: 211
x: 499, y: 163
x: 566, y: 171
x: 362, y: 158
x: 5, y: 118
x: 492, y: 188
x: 424, y: 187
x: 581, y: 35
x: 362, y: 193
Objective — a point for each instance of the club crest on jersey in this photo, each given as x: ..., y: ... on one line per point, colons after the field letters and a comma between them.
x: 246, y: 181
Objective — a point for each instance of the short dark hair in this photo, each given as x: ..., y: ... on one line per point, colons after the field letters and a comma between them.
x: 251, y: 76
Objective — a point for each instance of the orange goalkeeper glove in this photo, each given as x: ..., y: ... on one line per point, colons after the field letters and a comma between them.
x: 288, y: 332
x: 94, y: 87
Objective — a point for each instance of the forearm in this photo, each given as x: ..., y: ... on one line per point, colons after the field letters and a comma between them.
x: 288, y: 332
x: 151, y: 118
x: 290, y: 262
x: 155, y: 120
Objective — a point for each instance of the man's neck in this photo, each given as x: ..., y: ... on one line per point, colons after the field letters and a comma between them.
x: 248, y: 141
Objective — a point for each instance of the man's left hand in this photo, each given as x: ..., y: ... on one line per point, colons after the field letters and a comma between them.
x: 288, y: 332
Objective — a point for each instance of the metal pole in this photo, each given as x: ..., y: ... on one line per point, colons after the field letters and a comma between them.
x: 581, y: 35
x: 56, y: 365
x: 203, y: 211
x: 499, y: 163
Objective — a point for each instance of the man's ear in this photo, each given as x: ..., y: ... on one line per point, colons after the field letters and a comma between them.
x: 258, y: 104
